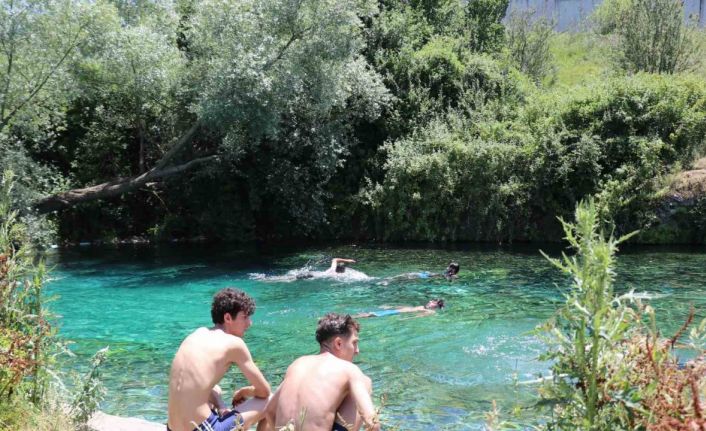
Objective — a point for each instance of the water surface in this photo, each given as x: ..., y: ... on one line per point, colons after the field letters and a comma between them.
x: 440, y: 372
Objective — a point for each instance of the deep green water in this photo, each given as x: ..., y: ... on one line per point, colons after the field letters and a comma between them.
x: 437, y: 373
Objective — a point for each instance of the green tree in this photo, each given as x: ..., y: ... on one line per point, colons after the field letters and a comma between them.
x: 282, y: 82
x: 485, y: 29
x: 653, y: 35
x: 129, y: 91
x: 39, y: 42
x: 528, y: 44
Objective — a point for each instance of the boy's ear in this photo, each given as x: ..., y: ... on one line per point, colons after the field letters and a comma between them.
x: 338, y: 343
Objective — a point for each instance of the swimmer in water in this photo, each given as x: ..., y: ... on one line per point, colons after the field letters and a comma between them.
x: 338, y: 266
x: 337, y: 270
x: 450, y: 274
x: 421, y: 310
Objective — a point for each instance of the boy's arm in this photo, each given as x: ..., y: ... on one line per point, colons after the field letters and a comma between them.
x: 361, y: 390
x: 259, y: 386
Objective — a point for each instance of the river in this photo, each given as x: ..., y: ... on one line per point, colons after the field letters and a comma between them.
x: 440, y: 372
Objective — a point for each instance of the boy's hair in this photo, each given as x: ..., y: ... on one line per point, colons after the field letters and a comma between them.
x: 453, y: 268
x: 440, y: 303
x: 334, y: 325
x: 231, y: 301
x: 340, y: 268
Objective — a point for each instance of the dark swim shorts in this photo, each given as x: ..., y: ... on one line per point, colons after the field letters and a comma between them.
x: 338, y: 427
x: 228, y: 422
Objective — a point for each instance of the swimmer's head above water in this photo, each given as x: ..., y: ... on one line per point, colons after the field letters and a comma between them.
x: 434, y: 304
x: 452, y: 270
x: 338, y: 265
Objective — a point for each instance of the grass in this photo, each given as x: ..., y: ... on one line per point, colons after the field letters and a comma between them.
x: 579, y: 58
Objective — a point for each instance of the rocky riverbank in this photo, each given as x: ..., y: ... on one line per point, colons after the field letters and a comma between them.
x: 104, y: 422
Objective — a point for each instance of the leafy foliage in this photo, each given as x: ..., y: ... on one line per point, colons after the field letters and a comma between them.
x: 485, y: 28
x: 615, y: 141
x: 652, y: 35
x: 29, y: 343
x: 528, y: 42
x: 610, y: 369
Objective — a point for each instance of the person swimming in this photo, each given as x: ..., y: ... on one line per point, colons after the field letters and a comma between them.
x: 337, y: 270
x: 452, y: 271
x: 450, y: 274
x: 338, y: 266
x: 422, y: 310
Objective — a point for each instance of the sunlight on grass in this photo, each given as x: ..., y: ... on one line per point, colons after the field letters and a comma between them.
x: 579, y: 58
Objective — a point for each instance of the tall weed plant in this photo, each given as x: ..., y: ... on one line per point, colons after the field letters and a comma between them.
x: 30, y: 390
x: 611, y: 368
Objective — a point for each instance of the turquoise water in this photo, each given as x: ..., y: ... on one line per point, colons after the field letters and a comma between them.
x: 440, y: 372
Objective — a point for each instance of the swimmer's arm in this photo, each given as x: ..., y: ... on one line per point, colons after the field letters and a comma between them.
x: 336, y: 260
x: 260, y: 387
x: 423, y: 313
x: 361, y: 390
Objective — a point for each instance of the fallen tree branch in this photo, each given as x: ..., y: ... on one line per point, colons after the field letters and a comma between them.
x: 112, y: 188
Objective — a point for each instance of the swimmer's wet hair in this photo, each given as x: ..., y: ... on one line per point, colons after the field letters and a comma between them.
x: 440, y: 303
x: 453, y: 268
x: 334, y: 325
x: 231, y: 301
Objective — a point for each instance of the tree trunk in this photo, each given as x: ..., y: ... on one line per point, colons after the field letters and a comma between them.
x: 141, y: 133
x: 123, y: 185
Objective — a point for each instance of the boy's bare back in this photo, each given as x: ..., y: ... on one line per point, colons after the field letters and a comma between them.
x: 200, y: 363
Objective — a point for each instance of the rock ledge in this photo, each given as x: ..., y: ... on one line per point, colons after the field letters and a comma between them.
x: 104, y: 422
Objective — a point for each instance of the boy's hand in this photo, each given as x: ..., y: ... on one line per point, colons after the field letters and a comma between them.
x: 243, y: 394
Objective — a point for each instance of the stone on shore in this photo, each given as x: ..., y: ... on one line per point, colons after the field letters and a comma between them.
x: 104, y: 422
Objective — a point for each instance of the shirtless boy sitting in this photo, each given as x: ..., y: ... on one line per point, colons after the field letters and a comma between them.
x: 201, y: 362
x: 318, y: 388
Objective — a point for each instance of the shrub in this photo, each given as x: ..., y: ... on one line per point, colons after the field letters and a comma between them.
x: 442, y: 185
x: 486, y: 32
x: 610, y: 369
x: 528, y: 44
x: 489, y: 174
x: 653, y: 35
x: 28, y: 342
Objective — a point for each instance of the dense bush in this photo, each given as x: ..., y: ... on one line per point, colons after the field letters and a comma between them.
x: 615, y: 141
x: 442, y: 185
x: 528, y: 44
x: 650, y: 35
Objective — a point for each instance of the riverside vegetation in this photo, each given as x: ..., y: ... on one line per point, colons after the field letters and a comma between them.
x: 34, y: 393
x: 391, y: 120
x: 611, y: 368
x: 382, y: 120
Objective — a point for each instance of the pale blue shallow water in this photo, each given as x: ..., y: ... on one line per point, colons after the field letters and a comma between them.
x: 437, y: 373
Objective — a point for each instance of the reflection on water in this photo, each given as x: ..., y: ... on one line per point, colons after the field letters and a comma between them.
x: 440, y: 372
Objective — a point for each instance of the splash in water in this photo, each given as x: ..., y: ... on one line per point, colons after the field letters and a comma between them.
x: 307, y: 273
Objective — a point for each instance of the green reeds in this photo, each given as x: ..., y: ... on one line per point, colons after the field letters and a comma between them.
x: 29, y: 343
x: 611, y: 369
